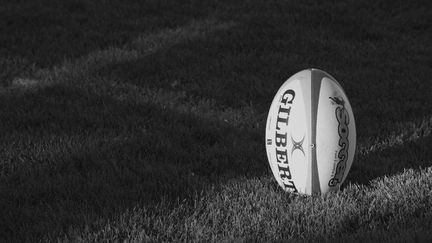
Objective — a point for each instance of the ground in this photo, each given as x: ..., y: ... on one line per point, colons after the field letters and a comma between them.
x: 144, y: 120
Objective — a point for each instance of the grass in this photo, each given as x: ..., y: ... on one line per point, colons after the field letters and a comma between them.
x: 144, y: 121
x: 255, y: 210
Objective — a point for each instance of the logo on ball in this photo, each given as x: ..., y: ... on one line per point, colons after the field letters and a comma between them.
x: 297, y: 145
x: 285, y: 104
x: 342, y: 117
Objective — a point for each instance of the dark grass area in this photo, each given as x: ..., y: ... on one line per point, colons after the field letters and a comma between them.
x: 46, y: 32
x: 391, y: 161
x: 80, y: 155
x: 246, y: 63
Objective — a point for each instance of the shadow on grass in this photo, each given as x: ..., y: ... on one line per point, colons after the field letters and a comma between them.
x: 246, y: 64
x: 71, y: 158
x: 391, y: 160
x: 215, y: 66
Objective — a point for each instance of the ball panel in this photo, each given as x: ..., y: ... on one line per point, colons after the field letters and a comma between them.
x: 327, y: 133
x: 336, y: 145
x: 280, y: 134
x: 299, y: 138
x: 352, y: 136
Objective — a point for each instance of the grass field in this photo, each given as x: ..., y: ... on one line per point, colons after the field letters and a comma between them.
x: 144, y: 120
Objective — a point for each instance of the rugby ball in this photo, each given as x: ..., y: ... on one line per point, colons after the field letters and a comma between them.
x: 310, y: 134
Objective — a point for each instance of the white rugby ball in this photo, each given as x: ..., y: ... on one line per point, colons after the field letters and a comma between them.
x: 310, y: 134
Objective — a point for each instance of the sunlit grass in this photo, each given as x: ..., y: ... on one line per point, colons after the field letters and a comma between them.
x: 255, y: 209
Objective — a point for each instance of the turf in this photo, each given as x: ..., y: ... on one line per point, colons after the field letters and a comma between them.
x: 144, y: 120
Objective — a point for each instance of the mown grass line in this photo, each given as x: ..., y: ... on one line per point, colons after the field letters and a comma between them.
x: 47, y: 32
x: 132, y: 51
